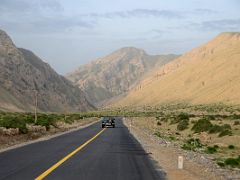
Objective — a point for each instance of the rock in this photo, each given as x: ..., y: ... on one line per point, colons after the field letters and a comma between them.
x: 9, y: 132
x: 36, y: 128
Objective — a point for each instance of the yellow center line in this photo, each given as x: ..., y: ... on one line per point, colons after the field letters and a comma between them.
x: 52, y: 168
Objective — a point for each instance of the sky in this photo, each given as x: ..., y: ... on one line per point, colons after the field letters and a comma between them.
x: 70, y: 33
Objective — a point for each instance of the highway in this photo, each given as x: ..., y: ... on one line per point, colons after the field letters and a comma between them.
x: 91, y: 153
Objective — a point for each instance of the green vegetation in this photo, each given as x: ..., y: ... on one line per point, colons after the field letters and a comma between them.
x: 212, y: 149
x: 170, y: 138
x: 183, y: 116
x: 226, y: 132
x: 231, y: 147
x: 215, y: 129
x: 202, y: 125
x: 159, y: 123
x: 213, y: 119
x: 158, y: 134
x: 180, y: 117
x: 230, y: 162
x: 221, y: 164
x: 236, y: 123
x: 9, y: 121
x: 236, y: 116
x: 182, y: 125
x: 192, y: 144
x: 223, y: 130
x: 20, y: 120
x: 163, y: 119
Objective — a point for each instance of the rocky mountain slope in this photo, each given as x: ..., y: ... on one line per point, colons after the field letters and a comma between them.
x: 207, y: 74
x: 22, y: 74
x: 115, y: 74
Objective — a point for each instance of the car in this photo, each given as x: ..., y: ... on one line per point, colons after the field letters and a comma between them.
x: 108, y: 122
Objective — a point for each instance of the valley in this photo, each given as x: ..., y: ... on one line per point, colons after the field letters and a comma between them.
x: 184, y: 105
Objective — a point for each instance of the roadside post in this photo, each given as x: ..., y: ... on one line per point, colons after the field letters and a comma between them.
x: 130, y: 125
x: 180, y: 162
x: 36, y: 104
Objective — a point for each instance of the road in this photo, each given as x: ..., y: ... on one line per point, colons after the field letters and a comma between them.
x: 113, y: 155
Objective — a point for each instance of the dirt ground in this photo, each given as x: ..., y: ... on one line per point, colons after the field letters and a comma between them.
x: 195, y: 167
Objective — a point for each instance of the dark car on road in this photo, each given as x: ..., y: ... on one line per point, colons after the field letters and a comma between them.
x: 108, y: 122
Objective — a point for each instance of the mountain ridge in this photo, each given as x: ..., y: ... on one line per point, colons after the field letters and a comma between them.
x: 22, y: 73
x: 114, y: 74
x: 206, y: 74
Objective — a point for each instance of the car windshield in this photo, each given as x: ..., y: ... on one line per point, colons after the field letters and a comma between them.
x: 105, y: 119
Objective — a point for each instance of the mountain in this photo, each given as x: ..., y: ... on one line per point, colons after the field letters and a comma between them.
x: 22, y: 74
x: 207, y: 74
x: 115, y: 74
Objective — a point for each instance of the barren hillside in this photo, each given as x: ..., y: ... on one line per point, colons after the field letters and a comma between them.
x: 207, y: 74
x: 22, y: 74
x: 115, y: 74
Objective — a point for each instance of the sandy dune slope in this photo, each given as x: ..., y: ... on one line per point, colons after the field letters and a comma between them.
x: 207, y: 74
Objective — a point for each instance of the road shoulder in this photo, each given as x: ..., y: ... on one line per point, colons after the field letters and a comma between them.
x: 166, y: 156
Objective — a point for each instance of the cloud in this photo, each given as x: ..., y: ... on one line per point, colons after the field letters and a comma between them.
x: 158, y: 31
x: 38, y: 16
x: 48, y: 25
x: 202, y: 11
x: 60, y: 24
x: 26, y: 6
x: 145, y: 13
x: 155, y: 13
x: 139, y: 13
x: 211, y: 25
x: 223, y: 25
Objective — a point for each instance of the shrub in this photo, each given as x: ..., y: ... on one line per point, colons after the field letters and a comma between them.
x: 211, y: 150
x: 192, y: 144
x: 226, y: 126
x: 233, y: 162
x: 211, y: 117
x: 236, y: 116
x: 180, y: 117
x: 231, y: 147
x: 46, y: 120
x: 236, y: 123
x: 10, y: 121
x: 182, y: 125
x: 223, y: 130
x: 172, y: 138
x: 202, y: 125
x: 158, y: 134
x: 193, y: 121
x: 183, y: 116
x: 164, y: 119
x: 215, y: 129
x: 225, y: 133
x: 221, y: 164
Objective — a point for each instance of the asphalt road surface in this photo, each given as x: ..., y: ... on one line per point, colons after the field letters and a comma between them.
x: 91, y: 153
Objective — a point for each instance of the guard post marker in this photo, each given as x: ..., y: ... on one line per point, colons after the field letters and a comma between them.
x: 180, y: 162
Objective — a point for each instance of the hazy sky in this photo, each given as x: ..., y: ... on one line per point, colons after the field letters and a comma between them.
x: 68, y: 33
